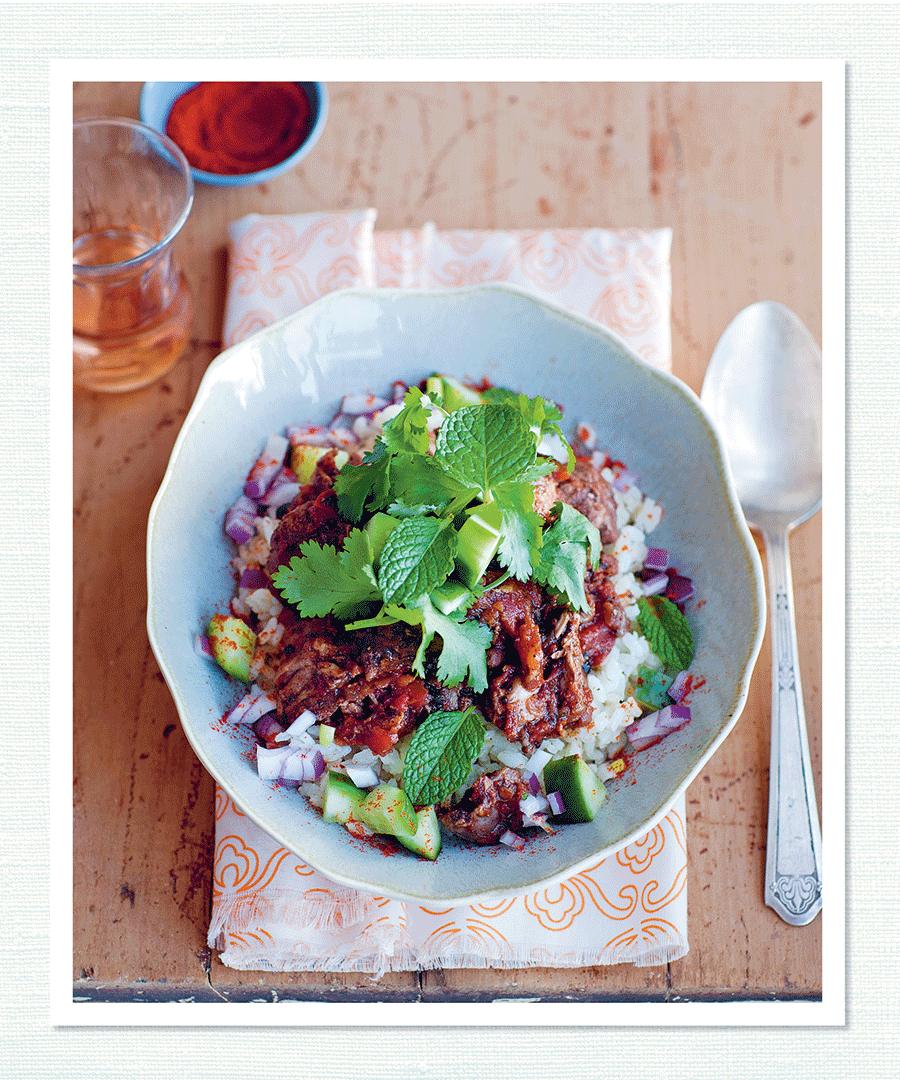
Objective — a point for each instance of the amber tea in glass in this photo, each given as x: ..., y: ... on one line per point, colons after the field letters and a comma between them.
x: 131, y: 304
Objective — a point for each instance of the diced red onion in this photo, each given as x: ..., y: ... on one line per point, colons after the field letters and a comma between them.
x: 360, y: 404
x: 269, y: 762
x: 239, y: 519
x: 364, y: 776
x: 656, y: 584
x: 259, y: 706
x: 649, y: 729
x: 533, y: 804
x: 285, y: 493
x: 295, y: 767
x: 343, y: 437
x: 534, y: 782
x: 237, y: 711
x: 512, y: 840
x: 623, y: 479
x: 656, y: 559
x: 308, y: 435
x: 283, y: 488
x: 304, y: 721
x: 268, y: 727
x: 536, y: 821
x: 254, y: 577
x: 362, y: 427
x: 680, y: 589
x: 555, y: 803
x: 266, y: 467
x: 202, y: 646
x: 679, y: 686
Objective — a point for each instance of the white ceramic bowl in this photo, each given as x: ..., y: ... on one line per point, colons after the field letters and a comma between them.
x: 298, y: 370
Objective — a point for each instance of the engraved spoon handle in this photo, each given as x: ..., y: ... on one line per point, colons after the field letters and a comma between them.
x: 794, y: 843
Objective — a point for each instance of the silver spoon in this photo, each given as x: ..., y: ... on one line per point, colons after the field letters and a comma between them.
x: 763, y: 388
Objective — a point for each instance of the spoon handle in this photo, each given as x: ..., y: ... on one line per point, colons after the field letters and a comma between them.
x: 794, y: 844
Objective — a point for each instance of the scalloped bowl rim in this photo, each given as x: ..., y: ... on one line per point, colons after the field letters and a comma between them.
x: 749, y: 550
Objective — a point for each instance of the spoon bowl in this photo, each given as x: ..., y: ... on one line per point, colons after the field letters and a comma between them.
x: 763, y: 388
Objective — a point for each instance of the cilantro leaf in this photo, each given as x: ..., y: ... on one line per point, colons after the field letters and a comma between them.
x: 417, y: 556
x: 423, y: 482
x: 440, y: 755
x: 464, y: 642
x: 407, y: 432
x: 521, y: 538
x: 571, y: 525
x: 357, y: 486
x: 321, y: 580
x: 667, y: 630
x: 567, y: 545
x: 482, y: 447
x: 464, y: 647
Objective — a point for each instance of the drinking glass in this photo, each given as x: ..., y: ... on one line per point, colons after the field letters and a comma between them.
x: 132, y: 306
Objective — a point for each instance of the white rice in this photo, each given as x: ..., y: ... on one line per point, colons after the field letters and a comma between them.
x: 613, y: 707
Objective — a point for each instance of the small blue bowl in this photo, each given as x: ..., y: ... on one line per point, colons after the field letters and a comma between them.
x: 157, y: 99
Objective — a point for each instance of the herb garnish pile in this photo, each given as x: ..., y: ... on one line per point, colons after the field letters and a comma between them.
x: 436, y: 464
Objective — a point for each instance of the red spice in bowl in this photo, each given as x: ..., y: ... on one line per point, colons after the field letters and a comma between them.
x: 239, y: 127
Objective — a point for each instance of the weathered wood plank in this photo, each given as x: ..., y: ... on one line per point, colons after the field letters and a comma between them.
x: 735, y: 170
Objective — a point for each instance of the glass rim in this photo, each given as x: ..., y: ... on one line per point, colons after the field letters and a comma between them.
x: 159, y: 137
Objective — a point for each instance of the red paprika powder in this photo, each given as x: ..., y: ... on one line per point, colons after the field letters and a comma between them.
x: 240, y: 127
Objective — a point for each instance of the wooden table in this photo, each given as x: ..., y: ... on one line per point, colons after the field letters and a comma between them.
x: 735, y: 170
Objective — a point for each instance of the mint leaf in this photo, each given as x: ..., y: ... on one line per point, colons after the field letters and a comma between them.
x: 321, y: 580
x: 464, y: 647
x: 417, y: 556
x: 440, y: 755
x: 521, y: 529
x: 667, y: 630
x: 482, y: 447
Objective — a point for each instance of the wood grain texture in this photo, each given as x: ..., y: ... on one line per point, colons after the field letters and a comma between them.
x: 735, y: 170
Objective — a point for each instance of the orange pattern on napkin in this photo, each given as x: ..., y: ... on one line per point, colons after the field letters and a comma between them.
x: 270, y: 910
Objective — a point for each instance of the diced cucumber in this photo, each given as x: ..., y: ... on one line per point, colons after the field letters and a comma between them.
x: 479, y: 538
x: 378, y: 528
x: 651, y: 689
x: 233, y: 644
x: 453, y: 393
x: 304, y: 459
x: 450, y: 596
x: 388, y: 810
x: 342, y: 798
x: 582, y: 793
x: 427, y: 841
x: 326, y: 734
